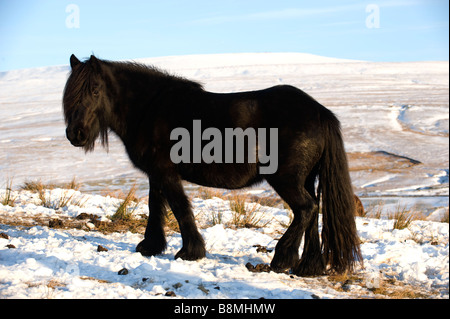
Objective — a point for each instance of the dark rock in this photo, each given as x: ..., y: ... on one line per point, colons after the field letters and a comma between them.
x: 123, y: 272
x: 258, y: 267
x: 101, y: 248
x: 55, y: 223
x: 262, y: 249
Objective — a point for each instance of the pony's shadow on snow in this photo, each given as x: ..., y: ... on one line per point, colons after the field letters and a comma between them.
x: 199, y: 284
x: 245, y: 284
x: 185, y: 285
x: 219, y: 275
x: 107, y: 243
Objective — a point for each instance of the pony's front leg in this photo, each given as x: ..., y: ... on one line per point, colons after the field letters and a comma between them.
x: 154, y: 242
x: 193, y: 244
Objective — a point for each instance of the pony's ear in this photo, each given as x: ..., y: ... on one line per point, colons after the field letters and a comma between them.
x: 95, y: 63
x: 74, y: 61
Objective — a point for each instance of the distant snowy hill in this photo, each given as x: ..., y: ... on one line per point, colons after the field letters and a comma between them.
x: 239, y: 59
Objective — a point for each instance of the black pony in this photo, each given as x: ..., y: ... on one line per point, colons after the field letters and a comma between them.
x: 143, y: 105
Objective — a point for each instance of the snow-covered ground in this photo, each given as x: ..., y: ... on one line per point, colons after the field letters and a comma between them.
x: 395, y: 120
x: 45, y: 262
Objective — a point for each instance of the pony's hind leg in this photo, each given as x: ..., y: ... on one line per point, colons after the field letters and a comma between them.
x: 312, y: 262
x: 302, y: 205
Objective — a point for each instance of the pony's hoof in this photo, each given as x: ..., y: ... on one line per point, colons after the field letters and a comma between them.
x: 194, y: 254
x: 282, y: 264
x: 279, y: 269
x: 147, y: 249
x: 311, y: 267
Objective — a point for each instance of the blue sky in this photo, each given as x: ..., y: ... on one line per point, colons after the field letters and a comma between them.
x: 41, y: 33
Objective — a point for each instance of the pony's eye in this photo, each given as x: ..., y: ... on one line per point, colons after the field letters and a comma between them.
x: 95, y: 91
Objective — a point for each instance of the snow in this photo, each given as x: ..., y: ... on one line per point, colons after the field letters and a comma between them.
x: 64, y: 263
x: 395, y: 123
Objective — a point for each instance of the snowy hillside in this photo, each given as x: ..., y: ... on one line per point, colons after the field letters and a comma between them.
x: 394, y: 115
x: 395, y: 121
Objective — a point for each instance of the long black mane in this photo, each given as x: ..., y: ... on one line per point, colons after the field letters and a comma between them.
x: 83, y: 77
x: 79, y: 85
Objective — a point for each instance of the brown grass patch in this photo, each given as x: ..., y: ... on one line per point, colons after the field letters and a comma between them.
x: 171, y: 222
x: 127, y: 207
x: 208, y: 192
x: 379, y: 160
x: 403, y: 217
x: 386, y: 288
x: 8, y: 199
x: 246, y: 214
x: 37, y: 185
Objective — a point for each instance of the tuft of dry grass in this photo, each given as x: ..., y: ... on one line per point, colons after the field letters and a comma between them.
x: 246, y: 215
x: 123, y: 211
x: 216, y: 218
x: 43, y: 191
x: 386, y: 288
x: 171, y: 222
x: 403, y: 217
x: 37, y: 185
x: 208, y: 192
x: 123, y: 219
x: 63, y: 200
x: 270, y: 201
x: 8, y: 199
x: 118, y: 193
x: 73, y: 184
x: 444, y: 218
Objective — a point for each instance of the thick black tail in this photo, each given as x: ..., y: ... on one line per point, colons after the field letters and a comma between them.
x: 340, y: 241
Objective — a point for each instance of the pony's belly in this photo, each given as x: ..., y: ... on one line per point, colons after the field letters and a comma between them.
x: 229, y: 176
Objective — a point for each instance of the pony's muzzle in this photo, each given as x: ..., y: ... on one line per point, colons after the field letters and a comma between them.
x: 76, y: 136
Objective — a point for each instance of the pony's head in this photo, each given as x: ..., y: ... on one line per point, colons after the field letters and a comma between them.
x: 86, y: 104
